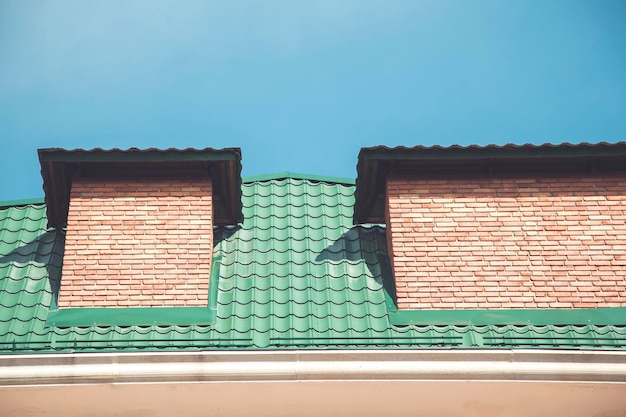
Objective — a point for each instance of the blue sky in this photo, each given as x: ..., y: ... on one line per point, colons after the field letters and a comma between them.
x: 302, y: 86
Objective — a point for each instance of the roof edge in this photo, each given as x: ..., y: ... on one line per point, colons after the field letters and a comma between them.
x: 21, y: 202
x: 60, y: 166
x: 453, y: 365
x: 376, y: 164
x: 137, y: 154
x: 297, y: 176
x: 526, y: 150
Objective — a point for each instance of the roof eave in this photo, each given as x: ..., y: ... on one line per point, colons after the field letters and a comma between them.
x: 469, y: 364
x: 515, y: 383
x: 375, y: 164
x: 59, y: 166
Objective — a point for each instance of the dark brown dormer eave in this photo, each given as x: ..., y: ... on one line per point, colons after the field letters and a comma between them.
x: 375, y: 164
x: 60, y: 166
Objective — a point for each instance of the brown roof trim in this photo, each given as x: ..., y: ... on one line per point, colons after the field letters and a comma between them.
x: 60, y: 166
x: 376, y: 163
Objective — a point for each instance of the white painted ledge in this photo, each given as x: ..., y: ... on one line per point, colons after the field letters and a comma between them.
x: 357, y: 365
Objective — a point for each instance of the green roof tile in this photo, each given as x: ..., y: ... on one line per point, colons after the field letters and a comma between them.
x: 295, y: 274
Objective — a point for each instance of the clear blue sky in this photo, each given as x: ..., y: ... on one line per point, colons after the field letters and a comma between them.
x: 303, y: 85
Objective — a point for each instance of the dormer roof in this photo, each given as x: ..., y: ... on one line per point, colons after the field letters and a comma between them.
x: 60, y: 166
x: 378, y: 162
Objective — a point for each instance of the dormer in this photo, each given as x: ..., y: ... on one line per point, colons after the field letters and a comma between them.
x: 139, y: 223
x: 528, y: 227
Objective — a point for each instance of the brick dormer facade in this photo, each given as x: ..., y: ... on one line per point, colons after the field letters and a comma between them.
x: 139, y: 223
x: 500, y: 227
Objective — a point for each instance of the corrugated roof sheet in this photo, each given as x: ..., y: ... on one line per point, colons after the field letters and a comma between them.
x: 143, y: 151
x: 510, y: 146
x: 296, y: 274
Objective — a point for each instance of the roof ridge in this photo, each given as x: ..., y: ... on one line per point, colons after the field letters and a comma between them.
x: 245, y: 179
x: 21, y: 202
x: 297, y: 176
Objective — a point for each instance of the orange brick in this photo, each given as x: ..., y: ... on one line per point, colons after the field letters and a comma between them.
x: 527, y: 242
x: 117, y: 229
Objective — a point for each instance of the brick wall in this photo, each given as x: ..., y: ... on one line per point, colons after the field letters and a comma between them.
x: 508, y: 243
x: 138, y: 244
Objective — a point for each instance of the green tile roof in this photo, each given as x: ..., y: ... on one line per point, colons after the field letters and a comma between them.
x: 296, y: 274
